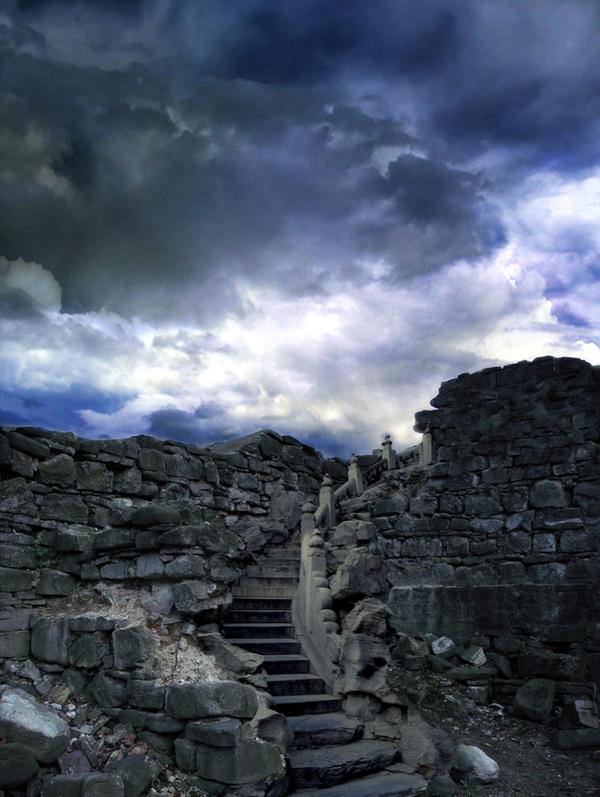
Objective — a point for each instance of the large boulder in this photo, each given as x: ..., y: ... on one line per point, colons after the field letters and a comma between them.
x: 17, y: 765
x: 33, y: 725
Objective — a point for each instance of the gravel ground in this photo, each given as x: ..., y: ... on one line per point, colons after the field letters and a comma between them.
x: 529, y: 765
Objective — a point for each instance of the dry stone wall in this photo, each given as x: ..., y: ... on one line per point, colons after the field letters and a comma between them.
x: 176, y: 521
x: 500, y: 535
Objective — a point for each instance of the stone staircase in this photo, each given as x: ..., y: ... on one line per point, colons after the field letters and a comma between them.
x: 328, y: 756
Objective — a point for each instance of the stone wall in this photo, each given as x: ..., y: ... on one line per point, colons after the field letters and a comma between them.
x: 500, y: 535
x: 175, y: 520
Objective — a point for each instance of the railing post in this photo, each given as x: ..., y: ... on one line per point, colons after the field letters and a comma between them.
x: 327, y: 499
x: 355, y: 475
x: 389, y: 455
x: 427, y: 447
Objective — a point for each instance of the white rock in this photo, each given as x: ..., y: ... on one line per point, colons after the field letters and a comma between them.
x: 442, y: 645
x: 472, y: 762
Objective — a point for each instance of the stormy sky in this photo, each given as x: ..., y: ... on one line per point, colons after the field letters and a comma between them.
x: 300, y: 215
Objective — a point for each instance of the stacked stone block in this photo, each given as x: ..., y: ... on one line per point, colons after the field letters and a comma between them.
x: 501, y: 533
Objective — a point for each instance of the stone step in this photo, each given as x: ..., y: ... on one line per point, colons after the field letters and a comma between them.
x: 254, y: 588
x: 334, y: 764
x: 270, y: 647
x: 268, y: 581
x: 295, y: 684
x: 261, y: 604
x: 383, y: 784
x: 315, y: 730
x: 246, y: 616
x: 259, y: 630
x: 306, y: 704
x: 271, y: 572
x: 279, y: 665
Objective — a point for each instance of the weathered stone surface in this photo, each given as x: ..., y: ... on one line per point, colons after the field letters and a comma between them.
x: 225, y: 732
x: 12, y: 579
x: 136, y: 771
x: 367, y: 617
x: 54, y: 582
x: 14, y: 644
x: 534, y: 699
x: 472, y: 764
x: 28, y: 445
x: 251, y: 761
x: 17, y: 765
x: 58, y: 470
x: 547, y: 493
x: 33, y: 725
x: 74, y: 538
x: 69, y: 508
x: 114, y: 538
x: 361, y: 574
x: 94, y: 477
x: 155, y: 515
x: 87, y: 651
x: 51, y: 639
x: 193, y: 597
x: 108, y: 692
x: 103, y: 784
x: 230, y: 657
x: 64, y: 786
x: 211, y: 699
x: 146, y: 694
x: 186, y: 566
x: 17, y: 556
x: 133, y: 647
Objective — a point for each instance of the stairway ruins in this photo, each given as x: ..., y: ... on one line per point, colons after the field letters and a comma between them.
x: 328, y: 755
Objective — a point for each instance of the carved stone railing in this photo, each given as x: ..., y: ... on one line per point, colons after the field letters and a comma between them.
x: 315, y: 620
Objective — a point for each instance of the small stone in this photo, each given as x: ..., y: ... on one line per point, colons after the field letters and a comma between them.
x: 472, y: 764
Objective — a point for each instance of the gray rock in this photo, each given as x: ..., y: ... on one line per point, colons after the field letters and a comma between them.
x: 474, y: 655
x: 74, y: 538
x: 28, y: 445
x: 14, y: 644
x: 17, y: 765
x: 103, y: 784
x: 136, y: 771
x: 14, y: 580
x: 64, y: 786
x: 472, y: 764
x: 186, y: 566
x: 35, y: 726
x: 547, y: 493
x: 69, y: 508
x: 133, y: 647
x: 55, y: 582
x: 443, y: 646
x: 225, y: 732
x: 51, y: 639
x: 17, y: 556
x: 185, y: 754
x: 362, y: 573
x: 193, y: 597
x: 251, y: 761
x: 161, y: 600
x: 368, y: 617
x: 534, y: 699
x: 87, y: 651
x: 211, y: 699
x: 114, y: 538
x: 146, y: 694
x: 128, y: 481
x: 74, y: 763
x: 230, y: 657
x: 58, y: 470
x: 108, y: 692
x: 155, y: 515
x: 94, y: 476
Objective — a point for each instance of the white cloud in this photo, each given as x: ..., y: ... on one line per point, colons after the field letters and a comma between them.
x: 32, y: 282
